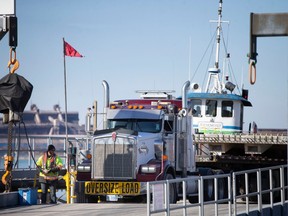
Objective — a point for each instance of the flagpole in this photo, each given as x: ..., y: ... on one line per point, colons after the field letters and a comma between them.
x: 66, y: 130
x: 70, y: 175
x: 65, y: 92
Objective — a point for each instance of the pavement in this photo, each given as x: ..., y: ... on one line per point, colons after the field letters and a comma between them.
x: 91, y: 209
x: 106, y: 208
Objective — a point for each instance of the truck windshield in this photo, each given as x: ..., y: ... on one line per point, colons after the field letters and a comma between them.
x: 140, y: 125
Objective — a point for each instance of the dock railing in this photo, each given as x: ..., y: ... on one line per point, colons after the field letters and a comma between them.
x: 264, y: 191
x: 27, y: 149
x: 159, y: 201
x: 265, y: 187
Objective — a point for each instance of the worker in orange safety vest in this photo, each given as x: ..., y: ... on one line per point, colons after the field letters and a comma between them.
x: 49, y: 164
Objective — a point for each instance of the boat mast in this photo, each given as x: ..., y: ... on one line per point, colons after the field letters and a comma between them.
x: 218, y: 34
x: 214, y: 72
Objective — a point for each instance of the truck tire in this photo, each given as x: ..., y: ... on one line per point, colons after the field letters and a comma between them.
x: 209, y: 187
x: 208, y: 184
x: 172, y: 189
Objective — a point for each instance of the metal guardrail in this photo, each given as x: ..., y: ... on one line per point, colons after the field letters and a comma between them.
x: 157, y: 207
x: 269, y: 187
x: 255, y: 198
x: 25, y: 149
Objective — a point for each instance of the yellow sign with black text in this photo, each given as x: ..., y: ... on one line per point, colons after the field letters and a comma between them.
x: 106, y: 188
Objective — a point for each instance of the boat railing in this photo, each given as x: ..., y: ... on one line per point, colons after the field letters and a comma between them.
x: 241, y: 138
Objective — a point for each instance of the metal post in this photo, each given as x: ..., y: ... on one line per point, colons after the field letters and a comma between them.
x: 201, y: 196
x: 282, y: 185
x: 229, y: 195
x: 184, y: 197
x: 148, y: 198
x: 271, y: 187
x: 234, y: 193
x: 246, y: 193
x: 167, y: 200
x: 216, y: 195
x: 259, y: 189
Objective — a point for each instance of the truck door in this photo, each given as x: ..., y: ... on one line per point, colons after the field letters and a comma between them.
x: 169, y: 138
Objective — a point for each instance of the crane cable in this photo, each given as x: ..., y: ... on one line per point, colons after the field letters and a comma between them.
x: 8, y: 159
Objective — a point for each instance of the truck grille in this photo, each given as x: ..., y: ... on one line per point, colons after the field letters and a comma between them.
x: 114, y: 160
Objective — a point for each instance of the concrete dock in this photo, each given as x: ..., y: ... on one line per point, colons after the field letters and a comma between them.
x: 119, y: 209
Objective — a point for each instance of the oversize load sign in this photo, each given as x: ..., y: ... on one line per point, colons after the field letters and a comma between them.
x: 121, y: 188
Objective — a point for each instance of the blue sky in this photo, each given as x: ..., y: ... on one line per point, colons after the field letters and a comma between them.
x: 141, y: 45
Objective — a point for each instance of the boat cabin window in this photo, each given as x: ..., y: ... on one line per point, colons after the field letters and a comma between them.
x: 196, y: 108
x: 211, y: 108
x: 227, y: 108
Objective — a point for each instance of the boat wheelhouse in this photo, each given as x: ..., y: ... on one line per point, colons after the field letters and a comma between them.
x: 217, y: 113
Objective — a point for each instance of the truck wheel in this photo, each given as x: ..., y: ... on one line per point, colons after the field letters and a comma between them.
x: 172, y: 189
x: 209, y: 187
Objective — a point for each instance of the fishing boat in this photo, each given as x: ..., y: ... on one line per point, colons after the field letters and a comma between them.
x: 217, y: 108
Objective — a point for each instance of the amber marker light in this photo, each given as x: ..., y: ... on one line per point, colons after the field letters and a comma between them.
x: 130, y: 107
x: 164, y: 157
x: 89, y: 156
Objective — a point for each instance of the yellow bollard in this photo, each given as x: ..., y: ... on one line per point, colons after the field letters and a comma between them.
x: 66, y: 177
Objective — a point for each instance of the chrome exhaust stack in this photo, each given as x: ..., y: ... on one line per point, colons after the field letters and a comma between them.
x: 106, y: 102
x: 184, y: 95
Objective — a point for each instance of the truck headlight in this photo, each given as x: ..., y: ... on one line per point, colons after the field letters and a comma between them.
x: 148, y: 169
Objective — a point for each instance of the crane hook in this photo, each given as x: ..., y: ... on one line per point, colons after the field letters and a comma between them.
x: 252, y: 72
x: 13, y: 61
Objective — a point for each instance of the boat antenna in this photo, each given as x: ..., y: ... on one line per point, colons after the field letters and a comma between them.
x: 189, y: 66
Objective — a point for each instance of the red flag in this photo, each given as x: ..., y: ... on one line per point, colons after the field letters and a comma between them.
x: 70, y: 51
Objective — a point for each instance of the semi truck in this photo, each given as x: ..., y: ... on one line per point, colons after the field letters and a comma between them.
x: 146, y: 139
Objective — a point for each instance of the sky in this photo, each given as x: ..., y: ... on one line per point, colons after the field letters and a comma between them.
x: 142, y: 45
